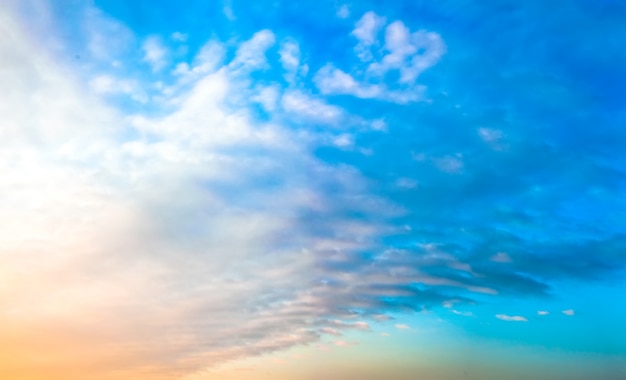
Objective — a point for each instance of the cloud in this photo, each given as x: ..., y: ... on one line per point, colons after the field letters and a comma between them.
x: 402, y: 327
x: 409, y: 53
x: 267, y: 97
x: 208, y: 59
x: 290, y: 59
x: 217, y: 234
x: 179, y: 36
x: 331, y: 80
x: 343, y: 11
x: 569, y: 312
x: 155, y: 53
x: 228, y: 10
x: 513, y: 318
x: 330, y: 330
x: 365, y: 32
x: 543, y: 312
x: 297, y: 102
x: 251, y: 54
x: 109, y: 85
x: 343, y: 343
x: 500, y: 257
x: 107, y: 38
x: 463, y: 313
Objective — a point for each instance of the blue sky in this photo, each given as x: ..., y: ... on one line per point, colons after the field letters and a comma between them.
x: 192, y: 188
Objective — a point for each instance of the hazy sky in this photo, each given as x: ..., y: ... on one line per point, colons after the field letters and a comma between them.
x: 318, y: 190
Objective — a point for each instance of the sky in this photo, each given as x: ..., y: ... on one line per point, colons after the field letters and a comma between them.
x: 282, y: 190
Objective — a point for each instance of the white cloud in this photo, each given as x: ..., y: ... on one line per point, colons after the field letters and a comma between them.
x: 511, y: 318
x: 343, y: 11
x: 143, y: 206
x: 331, y: 80
x: 402, y: 327
x: 298, y: 102
x: 107, y: 38
x: 228, y: 10
x: 490, y: 135
x: 267, y: 97
x: 365, y: 31
x: 290, y: 59
x: 155, y: 53
x: 501, y: 257
x: 409, y: 53
x: 463, y: 313
x: 569, y: 312
x: 449, y: 164
x: 406, y: 183
x: 543, y: 312
x: 178, y: 36
x: 251, y: 54
x: 107, y: 84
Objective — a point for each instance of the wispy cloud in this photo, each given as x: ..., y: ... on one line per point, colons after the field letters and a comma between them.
x: 400, y: 326
x: 511, y: 318
x: 365, y: 31
x: 155, y: 53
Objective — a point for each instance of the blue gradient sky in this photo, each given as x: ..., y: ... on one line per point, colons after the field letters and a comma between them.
x: 313, y: 189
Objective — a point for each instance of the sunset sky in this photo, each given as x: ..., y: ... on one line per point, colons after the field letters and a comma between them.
x: 312, y: 189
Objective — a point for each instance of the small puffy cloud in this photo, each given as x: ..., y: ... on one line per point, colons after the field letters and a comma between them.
x: 290, y: 59
x: 297, y: 102
x: 449, y: 164
x: 406, y: 52
x: 331, y: 80
x: 543, y: 312
x: 267, y: 97
x: 406, y: 183
x: 511, y: 318
x: 500, y: 257
x: 228, y: 10
x: 109, y: 85
x: 489, y: 135
x: 330, y: 331
x: 409, y: 53
x: 569, y: 312
x: 343, y: 11
x: 107, y: 38
x: 400, y: 326
x: 251, y: 54
x: 209, y: 58
x: 179, y: 37
x: 343, y: 140
x: 155, y: 53
x: 365, y: 31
